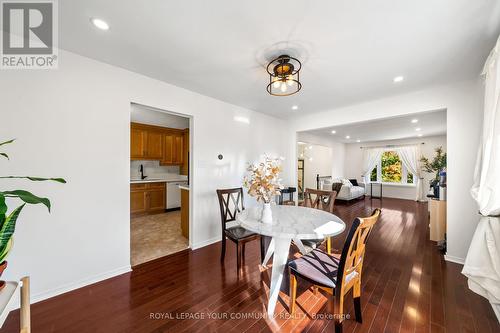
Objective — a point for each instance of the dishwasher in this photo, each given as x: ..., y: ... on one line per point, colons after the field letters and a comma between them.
x: 174, y: 194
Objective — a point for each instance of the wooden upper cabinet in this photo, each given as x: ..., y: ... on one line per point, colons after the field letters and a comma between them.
x: 168, y: 151
x: 178, y: 149
x: 137, y: 143
x: 154, y: 146
x: 173, y: 149
x: 148, y: 142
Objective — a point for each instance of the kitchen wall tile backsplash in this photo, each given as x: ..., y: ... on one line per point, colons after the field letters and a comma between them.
x: 152, y: 169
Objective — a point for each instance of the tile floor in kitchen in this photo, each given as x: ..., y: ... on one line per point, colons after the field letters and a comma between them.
x: 155, y: 236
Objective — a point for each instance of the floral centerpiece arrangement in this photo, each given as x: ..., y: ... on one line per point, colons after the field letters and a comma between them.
x: 264, y: 184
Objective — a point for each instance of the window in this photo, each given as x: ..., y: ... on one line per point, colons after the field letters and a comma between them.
x: 390, y: 169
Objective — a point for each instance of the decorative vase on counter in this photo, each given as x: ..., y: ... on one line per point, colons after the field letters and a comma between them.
x: 267, y: 213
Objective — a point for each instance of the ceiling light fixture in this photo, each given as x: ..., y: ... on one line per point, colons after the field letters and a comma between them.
x: 100, y: 24
x: 418, y: 129
x: 347, y: 137
x: 398, y: 79
x: 284, y: 77
x: 420, y: 134
x: 414, y: 121
x: 358, y: 140
x: 334, y: 131
x: 295, y: 107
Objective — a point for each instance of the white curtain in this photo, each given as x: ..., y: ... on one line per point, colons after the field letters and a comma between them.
x: 410, y: 156
x: 371, y: 156
x: 482, y: 265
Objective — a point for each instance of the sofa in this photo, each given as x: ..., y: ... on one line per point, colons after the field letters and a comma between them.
x: 349, y: 190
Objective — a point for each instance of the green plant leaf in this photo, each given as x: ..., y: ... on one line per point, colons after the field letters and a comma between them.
x: 6, y: 249
x: 7, y: 142
x: 4, y: 155
x: 3, y: 205
x: 3, y: 210
x: 36, y: 179
x: 8, y: 228
x: 27, y: 197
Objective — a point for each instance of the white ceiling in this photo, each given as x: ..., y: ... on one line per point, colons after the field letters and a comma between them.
x: 350, y: 50
x: 151, y: 116
x: 429, y: 123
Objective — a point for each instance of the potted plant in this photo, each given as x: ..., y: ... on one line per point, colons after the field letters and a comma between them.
x: 437, y: 164
x: 264, y: 184
x: 8, y: 219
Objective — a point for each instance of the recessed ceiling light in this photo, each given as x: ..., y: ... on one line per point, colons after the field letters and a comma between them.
x: 295, y: 107
x: 420, y: 134
x: 414, y: 121
x: 100, y: 24
x: 398, y: 79
x: 418, y: 129
x: 347, y: 137
x: 358, y: 140
x: 334, y: 131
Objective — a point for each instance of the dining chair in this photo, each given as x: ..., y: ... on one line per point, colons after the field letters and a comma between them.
x: 231, y: 203
x: 323, y: 200
x: 337, y: 275
x: 287, y: 190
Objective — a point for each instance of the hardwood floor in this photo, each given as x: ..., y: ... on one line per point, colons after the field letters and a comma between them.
x: 407, y: 287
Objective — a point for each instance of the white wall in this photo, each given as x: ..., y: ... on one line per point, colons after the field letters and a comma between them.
x: 463, y: 102
x: 144, y: 115
x: 317, y: 160
x: 74, y: 122
x: 354, y: 163
x: 338, y: 151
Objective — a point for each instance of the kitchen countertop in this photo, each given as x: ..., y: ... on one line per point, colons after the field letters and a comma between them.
x: 159, y: 180
x: 184, y: 187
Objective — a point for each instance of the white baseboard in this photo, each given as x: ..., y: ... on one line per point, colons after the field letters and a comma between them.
x: 456, y: 260
x: 79, y: 284
x: 205, y: 243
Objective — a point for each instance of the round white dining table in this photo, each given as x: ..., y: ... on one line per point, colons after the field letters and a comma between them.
x: 289, y: 223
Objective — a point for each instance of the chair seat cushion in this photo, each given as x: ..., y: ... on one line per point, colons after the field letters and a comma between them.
x: 238, y: 233
x: 318, y: 267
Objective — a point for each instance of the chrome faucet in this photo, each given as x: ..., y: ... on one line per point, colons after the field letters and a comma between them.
x: 141, y: 170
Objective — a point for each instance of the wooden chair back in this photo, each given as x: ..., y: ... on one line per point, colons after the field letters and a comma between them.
x: 319, y: 199
x: 352, y: 257
x: 230, y: 203
x: 336, y: 187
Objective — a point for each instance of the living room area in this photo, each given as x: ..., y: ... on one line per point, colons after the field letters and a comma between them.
x: 338, y: 158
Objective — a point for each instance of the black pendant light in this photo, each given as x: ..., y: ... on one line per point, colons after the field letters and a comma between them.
x: 284, y: 79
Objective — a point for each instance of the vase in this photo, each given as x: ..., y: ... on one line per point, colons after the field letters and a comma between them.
x: 267, y: 213
x: 3, y: 266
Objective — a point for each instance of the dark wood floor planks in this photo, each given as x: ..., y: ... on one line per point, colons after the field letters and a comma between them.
x: 406, y: 287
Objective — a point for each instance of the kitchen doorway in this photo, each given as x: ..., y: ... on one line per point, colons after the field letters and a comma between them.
x: 160, y: 154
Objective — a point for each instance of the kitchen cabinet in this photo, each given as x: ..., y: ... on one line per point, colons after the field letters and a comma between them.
x: 185, y: 213
x: 154, y: 146
x: 167, y: 145
x: 146, y: 142
x: 137, y: 143
x: 184, y: 169
x: 173, y: 149
x: 138, y: 202
x: 147, y: 198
